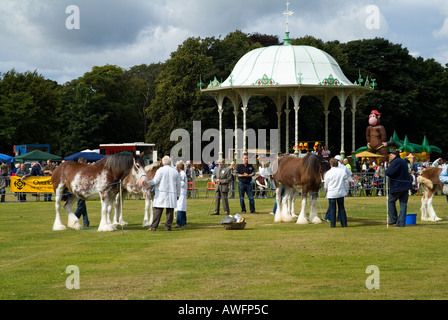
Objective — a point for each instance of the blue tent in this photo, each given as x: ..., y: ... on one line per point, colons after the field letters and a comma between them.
x: 6, y: 158
x: 89, y: 156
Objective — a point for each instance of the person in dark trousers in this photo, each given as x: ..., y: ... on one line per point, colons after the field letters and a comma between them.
x: 336, y: 187
x: 245, y: 172
x: 400, y: 183
x: 81, y: 209
x: 223, y: 176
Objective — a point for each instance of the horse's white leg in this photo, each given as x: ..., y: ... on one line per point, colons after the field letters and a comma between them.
x: 285, y: 214
x: 117, y: 208
x: 278, y: 200
x: 432, y: 216
x: 58, y: 225
x: 302, y: 216
x: 292, y: 200
x: 73, y: 221
x: 106, y: 207
x: 423, y: 208
x: 151, y: 211
x: 313, y: 210
x: 148, y: 207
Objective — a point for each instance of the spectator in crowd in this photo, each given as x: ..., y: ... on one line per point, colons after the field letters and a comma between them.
x: 326, y: 153
x: 381, y: 170
x: 4, y: 171
x: 191, y: 175
x: 36, y: 170
x: 366, y: 185
x: 245, y: 172
x: 2, y: 188
x: 48, y: 171
x: 262, y: 186
x: 223, y: 176
x: 232, y: 183
x: 21, y: 172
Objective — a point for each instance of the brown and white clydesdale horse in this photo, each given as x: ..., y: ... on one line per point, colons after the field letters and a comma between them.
x: 130, y: 186
x: 88, y: 181
x: 429, y: 180
x: 298, y: 175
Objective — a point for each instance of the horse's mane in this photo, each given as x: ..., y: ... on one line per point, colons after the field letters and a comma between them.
x: 122, y: 162
x: 311, y: 163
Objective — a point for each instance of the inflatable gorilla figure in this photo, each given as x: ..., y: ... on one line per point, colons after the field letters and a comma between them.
x: 376, y: 135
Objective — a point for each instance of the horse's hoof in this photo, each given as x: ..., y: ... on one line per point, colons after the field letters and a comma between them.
x: 106, y: 228
x: 59, y: 227
x: 317, y: 221
x: 302, y: 221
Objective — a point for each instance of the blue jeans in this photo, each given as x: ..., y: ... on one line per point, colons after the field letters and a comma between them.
x: 181, y: 218
x: 342, y: 215
x: 246, y: 188
x: 402, y: 197
x: 81, y: 210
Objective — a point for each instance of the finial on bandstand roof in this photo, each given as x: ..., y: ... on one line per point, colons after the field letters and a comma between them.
x: 287, y: 14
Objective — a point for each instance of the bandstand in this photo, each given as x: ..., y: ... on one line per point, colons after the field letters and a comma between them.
x: 283, y: 73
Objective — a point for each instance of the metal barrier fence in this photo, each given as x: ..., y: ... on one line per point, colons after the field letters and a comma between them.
x: 363, y: 184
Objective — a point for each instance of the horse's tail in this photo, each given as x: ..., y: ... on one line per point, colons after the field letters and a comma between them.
x: 425, y: 182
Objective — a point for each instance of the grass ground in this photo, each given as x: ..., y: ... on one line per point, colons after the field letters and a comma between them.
x: 267, y: 260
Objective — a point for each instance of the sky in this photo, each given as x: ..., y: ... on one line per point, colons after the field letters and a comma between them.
x: 63, y: 39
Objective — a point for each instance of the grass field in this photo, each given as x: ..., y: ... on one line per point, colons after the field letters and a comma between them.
x: 267, y: 260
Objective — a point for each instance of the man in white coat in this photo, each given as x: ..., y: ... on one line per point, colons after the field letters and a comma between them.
x: 166, y: 182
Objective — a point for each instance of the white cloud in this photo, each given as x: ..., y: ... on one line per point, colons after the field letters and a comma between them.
x: 443, y: 31
x: 128, y: 33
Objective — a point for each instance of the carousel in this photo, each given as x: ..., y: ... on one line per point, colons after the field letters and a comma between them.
x: 286, y: 73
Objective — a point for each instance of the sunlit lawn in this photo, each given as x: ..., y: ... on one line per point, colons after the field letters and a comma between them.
x: 267, y: 260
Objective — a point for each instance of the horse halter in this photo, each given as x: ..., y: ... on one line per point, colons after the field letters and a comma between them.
x: 141, y: 171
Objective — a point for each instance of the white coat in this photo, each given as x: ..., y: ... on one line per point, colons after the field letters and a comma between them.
x: 336, y: 183
x: 183, y: 185
x: 166, y: 182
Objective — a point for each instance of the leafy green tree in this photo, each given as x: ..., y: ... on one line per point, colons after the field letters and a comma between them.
x: 96, y: 108
x: 177, y: 92
x: 27, y: 108
x: 140, y: 87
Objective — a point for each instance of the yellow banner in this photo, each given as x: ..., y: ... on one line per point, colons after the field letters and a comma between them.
x: 32, y: 184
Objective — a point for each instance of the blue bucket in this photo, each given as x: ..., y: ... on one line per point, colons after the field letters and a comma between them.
x: 411, y: 219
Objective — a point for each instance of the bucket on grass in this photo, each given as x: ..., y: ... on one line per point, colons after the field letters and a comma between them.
x: 411, y: 219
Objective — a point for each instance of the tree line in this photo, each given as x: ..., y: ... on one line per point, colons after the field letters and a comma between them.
x: 147, y: 102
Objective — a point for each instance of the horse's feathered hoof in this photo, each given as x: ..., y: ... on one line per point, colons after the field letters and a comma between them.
x: 59, y: 227
x: 105, y: 227
x: 317, y: 220
x: 302, y: 220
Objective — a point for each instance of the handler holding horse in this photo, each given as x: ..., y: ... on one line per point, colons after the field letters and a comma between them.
x: 167, y: 182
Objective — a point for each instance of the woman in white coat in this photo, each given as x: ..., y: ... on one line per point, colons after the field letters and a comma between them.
x: 181, y: 207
